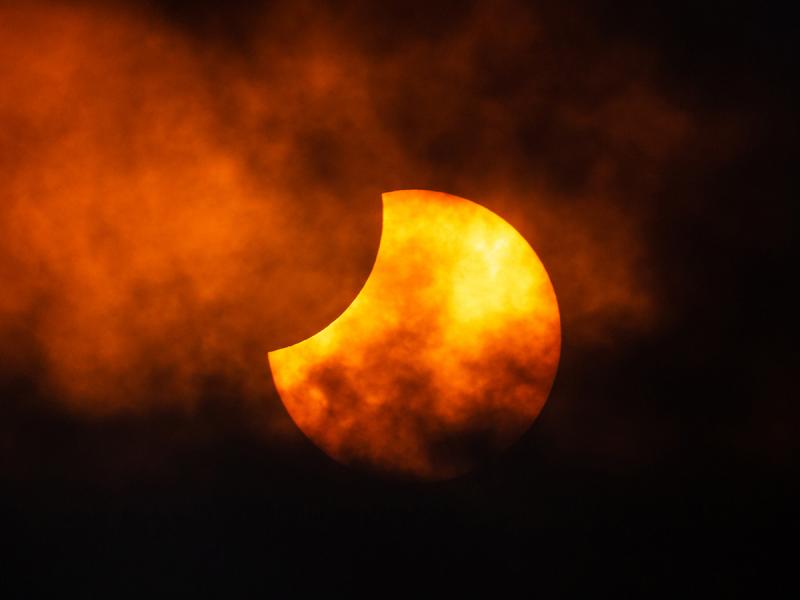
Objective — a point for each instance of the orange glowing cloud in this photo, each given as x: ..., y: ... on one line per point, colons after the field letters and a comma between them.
x: 173, y: 207
x: 139, y: 249
x: 445, y: 356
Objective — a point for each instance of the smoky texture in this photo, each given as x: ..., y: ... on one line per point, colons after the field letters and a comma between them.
x: 407, y: 425
x: 175, y: 205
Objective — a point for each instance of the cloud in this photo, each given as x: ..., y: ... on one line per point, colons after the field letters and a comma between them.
x: 175, y: 206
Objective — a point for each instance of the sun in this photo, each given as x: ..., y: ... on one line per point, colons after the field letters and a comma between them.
x: 444, y: 358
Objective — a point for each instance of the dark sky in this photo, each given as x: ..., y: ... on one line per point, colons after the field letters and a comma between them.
x: 648, y: 154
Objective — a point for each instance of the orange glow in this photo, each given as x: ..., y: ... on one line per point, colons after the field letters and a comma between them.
x: 446, y: 355
x: 172, y: 207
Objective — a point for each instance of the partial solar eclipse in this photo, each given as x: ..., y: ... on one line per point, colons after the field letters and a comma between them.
x: 445, y: 357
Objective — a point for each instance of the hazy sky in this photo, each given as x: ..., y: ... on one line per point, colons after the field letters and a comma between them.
x: 186, y: 186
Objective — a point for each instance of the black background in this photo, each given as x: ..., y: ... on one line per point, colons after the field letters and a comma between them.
x: 716, y: 510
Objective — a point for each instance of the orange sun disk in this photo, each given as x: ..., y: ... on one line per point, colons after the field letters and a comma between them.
x: 445, y: 357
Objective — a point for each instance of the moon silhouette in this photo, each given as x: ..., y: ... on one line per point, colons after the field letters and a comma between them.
x: 445, y: 357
